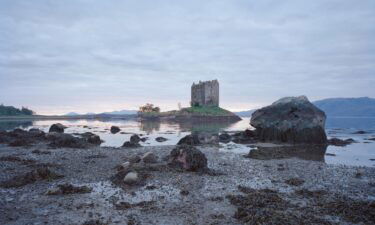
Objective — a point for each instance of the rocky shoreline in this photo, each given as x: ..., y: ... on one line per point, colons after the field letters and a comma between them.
x: 238, y: 189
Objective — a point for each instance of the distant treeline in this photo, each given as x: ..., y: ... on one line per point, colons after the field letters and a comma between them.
x: 13, y: 111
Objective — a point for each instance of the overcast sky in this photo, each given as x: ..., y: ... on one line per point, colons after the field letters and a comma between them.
x: 94, y: 56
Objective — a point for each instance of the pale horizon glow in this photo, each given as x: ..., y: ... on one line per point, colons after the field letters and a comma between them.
x: 99, y: 56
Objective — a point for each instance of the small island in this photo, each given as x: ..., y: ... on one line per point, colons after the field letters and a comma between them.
x: 204, y: 107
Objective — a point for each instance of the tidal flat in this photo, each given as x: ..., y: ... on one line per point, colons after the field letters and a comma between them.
x: 240, y: 190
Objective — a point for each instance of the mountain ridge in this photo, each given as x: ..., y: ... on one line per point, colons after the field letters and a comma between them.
x: 339, y: 107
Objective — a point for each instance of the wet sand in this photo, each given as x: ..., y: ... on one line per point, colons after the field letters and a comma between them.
x: 301, y: 190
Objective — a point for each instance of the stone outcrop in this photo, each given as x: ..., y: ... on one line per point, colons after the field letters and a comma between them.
x: 291, y: 120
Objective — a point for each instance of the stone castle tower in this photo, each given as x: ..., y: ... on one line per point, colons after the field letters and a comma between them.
x: 205, y: 93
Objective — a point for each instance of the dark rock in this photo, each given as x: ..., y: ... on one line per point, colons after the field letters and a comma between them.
x: 189, y: 140
x: 161, y: 139
x: 57, y: 127
x: 135, y: 139
x: 188, y: 158
x: 65, y: 189
x: 144, y: 139
x: 340, y: 142
x: 291, y: 120
x: 306, y: 152
x: 129, y: 144
x: 225, y: 138
x: 115, y: 129
x: 245, y: 137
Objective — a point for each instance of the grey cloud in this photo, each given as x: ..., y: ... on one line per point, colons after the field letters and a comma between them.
x: 123, y: 53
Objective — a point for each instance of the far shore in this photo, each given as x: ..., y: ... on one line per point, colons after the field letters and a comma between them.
x: 79, y: 117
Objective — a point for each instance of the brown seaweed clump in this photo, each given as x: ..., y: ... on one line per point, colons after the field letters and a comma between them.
x: 38, y: 174
x: 65, y: 189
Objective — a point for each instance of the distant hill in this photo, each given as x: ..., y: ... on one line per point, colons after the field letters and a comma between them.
x: 335, y: 107
x: 357, y: 107
x: 72, y: 114
x: 120, y: 112
x: 245, y: 113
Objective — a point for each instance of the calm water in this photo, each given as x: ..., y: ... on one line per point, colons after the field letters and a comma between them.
x: 359, y: 153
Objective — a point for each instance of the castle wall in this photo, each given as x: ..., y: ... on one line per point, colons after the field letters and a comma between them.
x: 205, y: 93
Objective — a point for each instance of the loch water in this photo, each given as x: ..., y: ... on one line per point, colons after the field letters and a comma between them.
x: 361, y: 153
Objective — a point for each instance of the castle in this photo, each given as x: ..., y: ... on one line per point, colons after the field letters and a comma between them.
x: 205, y: 93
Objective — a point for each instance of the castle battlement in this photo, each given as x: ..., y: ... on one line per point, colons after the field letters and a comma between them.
x: 205, y: 93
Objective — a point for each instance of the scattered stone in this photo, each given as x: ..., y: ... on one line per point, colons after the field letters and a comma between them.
x: 115, y: 129
x: 295, y: 181
x: 131, y: 178
x: 291, y: 120
x: 188, y: 158
x: 330, y: 154
x: 149, y: 157
x: 38, y: 174
x: 184, y: 192
x: 371, y: 139
x: 340, y: 142
x: 57, y: 127
x: 161, y: 139
x: 65, y: 189
x: 189, y: 140
x: 144, y: 139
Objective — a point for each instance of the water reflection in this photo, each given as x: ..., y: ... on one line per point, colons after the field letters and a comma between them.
x: 358, y: 154
x: 306, y: 152
x: 13, y: 124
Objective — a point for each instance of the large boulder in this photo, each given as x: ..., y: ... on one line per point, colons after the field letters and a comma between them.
x: 292, y: 120
x: 57, y: 127
x: 188, y: 157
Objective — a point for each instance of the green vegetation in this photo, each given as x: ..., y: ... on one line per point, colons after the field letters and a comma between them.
x: 207, y: 111
x: 12, y: 111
